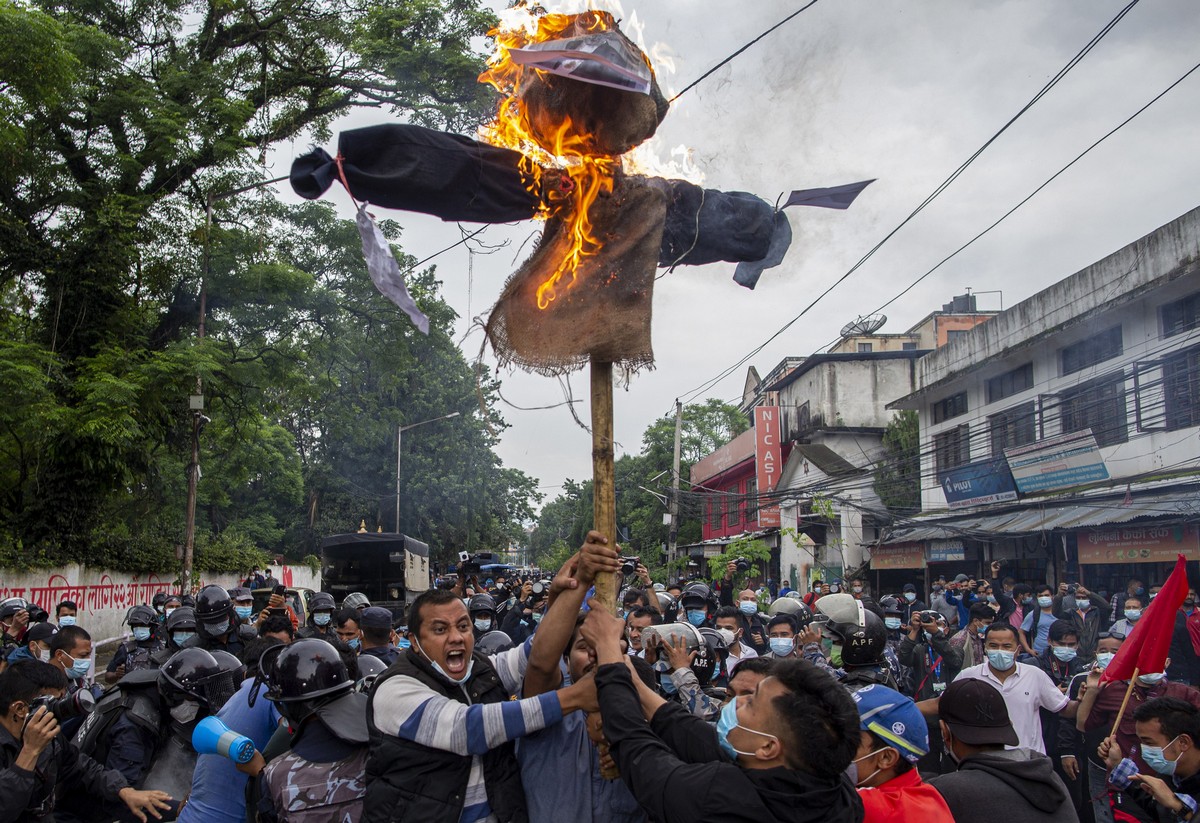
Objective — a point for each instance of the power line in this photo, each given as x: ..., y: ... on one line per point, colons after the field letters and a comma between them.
x: 1074, y: 61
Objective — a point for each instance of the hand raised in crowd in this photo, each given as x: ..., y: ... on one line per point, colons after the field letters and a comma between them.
x: 730, y: 569
x: 569, y: 576
x: 582, y: 694
x: 809, y: 634
x: 915, y: 626
x: 20, y: 622
x: 996, y: 566
x: 603, y: 632
x: 526, y: 589
x: 1080, y: 591
x: 598, y: 557
x: 1110, y: 752
x: 650, y: 646
x: 145, y: 802
x: 677, y: 653
x: 643, y: 576
x: 1062, y: 588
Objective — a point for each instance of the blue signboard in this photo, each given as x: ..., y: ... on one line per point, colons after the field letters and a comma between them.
x: 1057, y: 462
x: 989, y: 481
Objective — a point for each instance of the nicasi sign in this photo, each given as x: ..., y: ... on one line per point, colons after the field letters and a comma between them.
x: 978, y: 483
x: 1066, y: 460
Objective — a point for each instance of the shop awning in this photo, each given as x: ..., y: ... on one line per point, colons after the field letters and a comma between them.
x: 1174, y: 506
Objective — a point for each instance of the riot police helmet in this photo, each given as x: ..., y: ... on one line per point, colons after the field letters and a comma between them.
x: 493, y: 642
x: 141, y: 616
x: 356, y: 600
x: 186, y: 675
x: 303, y: 676
x: 864, y: 645
x: 710, y: 656
x: 214, y: 611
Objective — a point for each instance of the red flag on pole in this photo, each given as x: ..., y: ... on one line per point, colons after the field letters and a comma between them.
x: 1147, y: 645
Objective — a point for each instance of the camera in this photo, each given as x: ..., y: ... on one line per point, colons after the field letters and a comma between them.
x: 629, y: 565
x: 1072, y: 588
x: 742, y: 565
x: 929, y: 616
x: 64, y: 708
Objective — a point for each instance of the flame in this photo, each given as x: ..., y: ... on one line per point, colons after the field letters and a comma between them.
x: 582, y: 175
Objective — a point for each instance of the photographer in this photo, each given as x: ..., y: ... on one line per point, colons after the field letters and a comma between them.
x: 37, y: 763
x: 523, y: 618
x: 754, y: 628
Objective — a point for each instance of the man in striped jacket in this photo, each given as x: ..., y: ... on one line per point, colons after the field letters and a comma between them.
x: 442, y: 723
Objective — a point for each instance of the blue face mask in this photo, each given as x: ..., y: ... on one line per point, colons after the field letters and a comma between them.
x: 892, y: 622
x: 183, y: 639
x: 1132, y: 615
x: 1104, y: 658
x: 782, y: 646
x: 1000, y: 660
x: 79, y: 668
x: 748, y: 607
x: 1064, y: 654
x: 910, y: 596
x: 355, y: 643
x: 1151, y: 680
x: 1084, y: 604
x: 484, y: 624
x: 668, y: 685
x: 243, y: 612
x: 726, y: 723
x: 322, y: 618
x: 141, y: 633
x: 403, y: 643
x: 696, y: 616
x: 991, y: 598
x: 1155, y: 759
x: 69, y: 620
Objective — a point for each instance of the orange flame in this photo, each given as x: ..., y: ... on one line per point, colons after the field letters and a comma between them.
x: 584, y: 176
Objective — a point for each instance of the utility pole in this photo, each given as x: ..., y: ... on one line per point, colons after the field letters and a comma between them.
x: 196, y: 402
x: 400, y: 430
x: 673, y: 502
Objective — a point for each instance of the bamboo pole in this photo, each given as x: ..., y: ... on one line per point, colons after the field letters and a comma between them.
x: 604, y: 491
x: 1125, y: 702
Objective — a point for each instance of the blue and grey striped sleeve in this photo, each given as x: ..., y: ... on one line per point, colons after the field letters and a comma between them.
x: 408, y: 709
x: 511, y: 664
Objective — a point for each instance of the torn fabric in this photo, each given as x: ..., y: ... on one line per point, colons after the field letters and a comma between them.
x: 385, y: 271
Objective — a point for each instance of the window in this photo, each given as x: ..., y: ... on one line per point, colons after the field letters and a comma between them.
x: 864, y: 348
x: 1013, y: 427
x: 1181, y: 384
x: 1182, y: 315
x: 1010, y: 383
x: 952, y: 406
x: 952, y: 448
x: 908, y: 346
x: 714, y: 514
x: 751, y: 500
x: 733, y: 506
x: 955, y: 334
x: 1100, y: 406
x: 1103, y: 346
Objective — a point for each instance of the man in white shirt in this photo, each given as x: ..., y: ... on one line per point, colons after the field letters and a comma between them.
x: 729, y: 625
x: 1025, y: 688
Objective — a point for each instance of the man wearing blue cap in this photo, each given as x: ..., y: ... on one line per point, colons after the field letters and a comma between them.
x: 894, y: 738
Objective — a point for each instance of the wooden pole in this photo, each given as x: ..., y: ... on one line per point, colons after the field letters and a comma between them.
x: 1125, y: 702
x: 604, y: 490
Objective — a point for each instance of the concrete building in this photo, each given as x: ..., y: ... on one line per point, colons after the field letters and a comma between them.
x: 933, y: 331
x: 1062, y: 435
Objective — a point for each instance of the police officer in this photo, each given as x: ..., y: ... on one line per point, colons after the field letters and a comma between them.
x: 216, y: 623
x: 180, y: 633
x: 312, y: 689
x: 356, y: 600
x: 698, y: 604
x: 376, y: 625
x: 482, y: 608
x: 320, y: 619
x: 138, y: 651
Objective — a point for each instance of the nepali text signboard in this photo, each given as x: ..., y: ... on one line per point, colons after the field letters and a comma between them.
x: 946, y: 551
x: 768, y: 460
x: 898, y: 556
x: 1057, y: 462
x: 988, y: 481
x: 1138, y: 544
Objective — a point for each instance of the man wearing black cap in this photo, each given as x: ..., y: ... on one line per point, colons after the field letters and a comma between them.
x: 37, y: 644
x: 376, y: 625
x: 994, y: 784
x: 912, y: 603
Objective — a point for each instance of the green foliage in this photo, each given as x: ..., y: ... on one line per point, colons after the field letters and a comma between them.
x: 705, y: 427
x: 118, y: 123
x: 741, y: 547
x: 898, y: 475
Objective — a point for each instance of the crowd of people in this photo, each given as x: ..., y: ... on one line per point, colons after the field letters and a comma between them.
x: 505, y: 701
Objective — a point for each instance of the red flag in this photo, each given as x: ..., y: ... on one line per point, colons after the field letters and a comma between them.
x: 1147, y: 645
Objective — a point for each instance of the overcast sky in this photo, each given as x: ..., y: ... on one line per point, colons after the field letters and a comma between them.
x: 858, y: 89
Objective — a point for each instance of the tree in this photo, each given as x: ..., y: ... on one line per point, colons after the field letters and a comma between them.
x: 898, y: 474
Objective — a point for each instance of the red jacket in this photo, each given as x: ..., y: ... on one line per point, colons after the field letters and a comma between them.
x: 902, y: 799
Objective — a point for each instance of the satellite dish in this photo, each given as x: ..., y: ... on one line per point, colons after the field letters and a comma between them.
x: 864, y: 325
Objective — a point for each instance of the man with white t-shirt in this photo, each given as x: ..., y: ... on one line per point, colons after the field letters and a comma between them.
x: 729, y: 624
x: 1025, y: 688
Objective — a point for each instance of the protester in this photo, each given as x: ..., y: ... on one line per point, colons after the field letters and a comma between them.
x: 730, y: 623
x: 912, y: 603
x: 1075, y: 745
x: 1087, y: 617
x: 443, y: 722
x: 968, y: 641
x: 893, y: 739
x: 994, y: 784
x: 745, y: 676
x: 1026, y: 689
x: 1185, y: 641
x: 791, y: 741
x: 348, y: 631
x: 1168, y: 730
x: 66, y: 613
x: 635, y: 623
x: 1131, y: 611
x: 1135, y: 589
x: 37, y: 644
x: 1035, y: 630
x: 781, y: 636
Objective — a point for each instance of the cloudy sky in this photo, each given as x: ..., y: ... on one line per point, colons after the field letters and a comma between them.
x: 857, y: 89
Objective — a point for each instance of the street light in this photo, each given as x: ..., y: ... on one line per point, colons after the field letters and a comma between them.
x: 399, y: 440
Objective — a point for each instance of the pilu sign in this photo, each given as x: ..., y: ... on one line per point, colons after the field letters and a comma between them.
x: 768, y: 460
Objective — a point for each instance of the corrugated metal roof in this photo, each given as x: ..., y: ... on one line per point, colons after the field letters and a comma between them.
x: 1178, y: 505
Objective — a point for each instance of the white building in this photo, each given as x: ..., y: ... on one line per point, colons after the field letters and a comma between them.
x: 1114, y: 351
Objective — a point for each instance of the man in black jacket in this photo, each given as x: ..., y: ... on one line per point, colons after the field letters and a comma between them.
x: 790, y: 743
x: 992, y: 784
x: 37, y: 764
